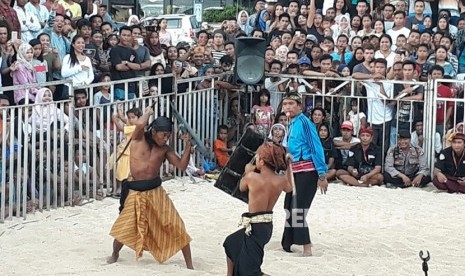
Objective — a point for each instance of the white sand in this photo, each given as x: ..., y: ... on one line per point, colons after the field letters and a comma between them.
x: 355, y: 231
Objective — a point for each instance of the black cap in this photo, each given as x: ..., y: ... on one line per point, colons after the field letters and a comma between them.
x: 404, y: 134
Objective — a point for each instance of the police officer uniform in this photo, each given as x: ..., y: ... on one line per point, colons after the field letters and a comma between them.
x: 412, y: 162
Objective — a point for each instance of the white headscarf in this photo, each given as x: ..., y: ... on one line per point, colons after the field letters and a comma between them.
x: 131, y: 18
x: 21, y: 56
x: 281, y: 126
x: 45, y: 114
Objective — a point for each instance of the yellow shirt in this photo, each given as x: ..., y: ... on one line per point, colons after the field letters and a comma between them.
x: 72, y: 10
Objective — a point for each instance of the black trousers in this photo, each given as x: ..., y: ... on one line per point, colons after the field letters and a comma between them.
x: 398, y: 182
x: 296, y: 229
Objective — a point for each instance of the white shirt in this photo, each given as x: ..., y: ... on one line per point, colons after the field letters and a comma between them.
x: 29, y: 24
x: 356, y: 120
x: 390, y: 58
x: 378, y: 111
x: 75, y: 73
x: 345, y: 153
x: 394, y: 34
x: 436, y: 140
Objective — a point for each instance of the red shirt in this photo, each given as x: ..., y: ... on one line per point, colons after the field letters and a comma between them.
x: 443, y: 92
x: 10, y: 16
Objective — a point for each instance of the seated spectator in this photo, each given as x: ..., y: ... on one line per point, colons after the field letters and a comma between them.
x: 45, y: 112
x: 418, y: 139
x: 343, y: 144
x: 406, y: 165
x: 329, y: 150
x: 364, y: 163
x: 449, y: 172
x: 220, y: 147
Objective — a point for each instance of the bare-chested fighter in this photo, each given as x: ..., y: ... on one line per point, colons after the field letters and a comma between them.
x: 148, y: 219
x: 245, y: 248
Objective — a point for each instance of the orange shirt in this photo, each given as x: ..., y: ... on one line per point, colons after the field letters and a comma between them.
x: 221, y: 156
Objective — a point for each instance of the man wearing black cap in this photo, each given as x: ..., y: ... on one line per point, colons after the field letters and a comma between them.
x: 449, y: 171
x: 406, y: 165
x: 148, y: 219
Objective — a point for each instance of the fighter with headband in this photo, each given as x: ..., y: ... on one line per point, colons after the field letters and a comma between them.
x: 148, y: 219
x: 245, y: 247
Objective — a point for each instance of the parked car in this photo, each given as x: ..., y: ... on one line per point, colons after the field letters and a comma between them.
x: 182, y: 27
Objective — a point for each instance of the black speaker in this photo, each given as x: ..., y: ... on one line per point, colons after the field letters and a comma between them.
x: 230, y: 177
x: 250, y: 60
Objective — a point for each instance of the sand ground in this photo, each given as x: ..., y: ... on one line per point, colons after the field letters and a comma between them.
x: 355, y: 231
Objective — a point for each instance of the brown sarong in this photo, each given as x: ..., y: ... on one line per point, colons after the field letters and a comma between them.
x: 149, y: 221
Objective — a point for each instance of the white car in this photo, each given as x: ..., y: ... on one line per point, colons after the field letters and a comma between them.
x: 182, y: 27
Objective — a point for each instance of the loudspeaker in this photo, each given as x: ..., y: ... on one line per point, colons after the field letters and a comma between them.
x: 230, y: 177
x: 250, y: 60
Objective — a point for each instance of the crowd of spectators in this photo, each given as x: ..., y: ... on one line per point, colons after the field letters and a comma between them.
x: 416, y: 40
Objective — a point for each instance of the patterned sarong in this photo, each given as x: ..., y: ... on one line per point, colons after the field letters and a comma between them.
x: 149, y: 221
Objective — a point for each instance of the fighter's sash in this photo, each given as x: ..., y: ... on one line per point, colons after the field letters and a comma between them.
x: 229, y: 178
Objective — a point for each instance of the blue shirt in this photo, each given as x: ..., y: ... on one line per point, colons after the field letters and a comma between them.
x: 304, y: 143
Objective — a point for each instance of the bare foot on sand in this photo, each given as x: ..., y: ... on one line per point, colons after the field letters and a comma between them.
x: 307, y: 250
x: 113, y: 259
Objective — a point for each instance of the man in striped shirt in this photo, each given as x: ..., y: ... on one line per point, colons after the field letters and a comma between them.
x: 309, y: 170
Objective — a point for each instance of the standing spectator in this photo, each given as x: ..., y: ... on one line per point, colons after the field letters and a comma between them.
x: 8, y: 14
x: 40, y: 11
x: 142, y: 53
x: 379, y: 112
x: 152, y: 42
x: 72, y: 9
x: 40, y: 65
x: 54, y: 5
x: 124, y: 64
x: 399, y: 26
x: 23, y: 73
x: 54, y: 29
x: 164, y: 35
x: 76, y: 65
x: 263, y: 113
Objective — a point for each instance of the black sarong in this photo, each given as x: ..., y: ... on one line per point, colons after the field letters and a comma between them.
x: 137, y: 185
x: 296, y: 230
x: 246, y: 252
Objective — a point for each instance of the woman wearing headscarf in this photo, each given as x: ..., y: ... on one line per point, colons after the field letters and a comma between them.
x: 23, y: 73
x: 242, y: 19
x: 278, y: 134
x: 46, y: 112
x: 342, y: 27
x: 152, y: 42
x: 262, y: 19
x: 133, y: 20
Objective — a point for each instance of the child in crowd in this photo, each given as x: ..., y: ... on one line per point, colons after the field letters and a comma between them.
x: 329, y: 150
x: 220, y: 147
x: 282, y: 119
x: 262, y: 113
x: 127, y: 127
x: 357, y: 118
x: 40, y: 65
x: 103, y: 96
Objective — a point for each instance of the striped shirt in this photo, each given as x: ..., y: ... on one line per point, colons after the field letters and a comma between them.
x: 304, y: 143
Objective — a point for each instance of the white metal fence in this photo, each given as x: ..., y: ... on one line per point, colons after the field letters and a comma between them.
x: 57, y: 162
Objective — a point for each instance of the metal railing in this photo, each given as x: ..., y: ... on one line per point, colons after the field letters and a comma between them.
x: 58, y: 167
